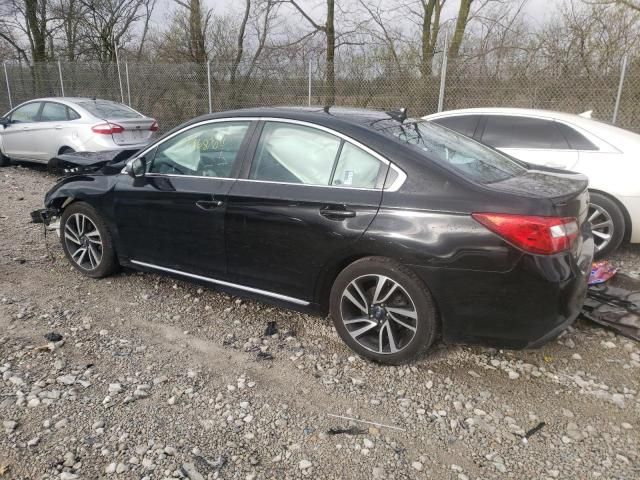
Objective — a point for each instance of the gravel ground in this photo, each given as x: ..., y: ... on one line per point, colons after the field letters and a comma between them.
x: 157, y: 378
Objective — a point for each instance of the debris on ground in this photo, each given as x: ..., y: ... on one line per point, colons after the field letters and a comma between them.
x: 53, y: 337
x: 534, y: 430
x: 615, y: 305
x: 347, y: 431
x: 271, y: 329
x: 264, y: 356
x: 601, y: 272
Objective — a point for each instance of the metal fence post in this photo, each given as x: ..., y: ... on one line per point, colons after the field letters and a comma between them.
x: 443, y: 72
x: 61, y: 82
x: 209, y: 84
x: 309, y: 82
x: 6, y: 77
x: 119, y: 76
x: 619, y: 94
x: 126, y: 72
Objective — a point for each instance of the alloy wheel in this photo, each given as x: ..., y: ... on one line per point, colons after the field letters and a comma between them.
x: 379, y: 314
x: 601, y: 226
x: 83, y: 241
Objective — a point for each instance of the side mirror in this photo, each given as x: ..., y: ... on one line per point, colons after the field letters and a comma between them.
x: 137, y: 167
x: 4, y: 121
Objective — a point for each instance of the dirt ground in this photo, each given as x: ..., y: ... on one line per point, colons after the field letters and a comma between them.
x: 158, y: 378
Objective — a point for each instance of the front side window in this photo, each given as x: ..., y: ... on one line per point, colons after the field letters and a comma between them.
x: 503, y: 131
x: 53, y: 112
x: 294, y: 154
x: 455, y: 151
x: 26, y: 114
x: 209, y: 150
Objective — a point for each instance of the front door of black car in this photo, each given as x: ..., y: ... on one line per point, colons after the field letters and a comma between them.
x: 173, y: 217
x: 306, y: 198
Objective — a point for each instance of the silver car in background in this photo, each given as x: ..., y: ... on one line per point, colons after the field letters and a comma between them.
x: 40, y: 129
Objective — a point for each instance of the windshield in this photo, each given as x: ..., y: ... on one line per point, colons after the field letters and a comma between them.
x: 108, y: 110
x: 472, y: 159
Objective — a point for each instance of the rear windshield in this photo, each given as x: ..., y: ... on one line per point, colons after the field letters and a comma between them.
x: 455, y: 151
x: 108, y: 110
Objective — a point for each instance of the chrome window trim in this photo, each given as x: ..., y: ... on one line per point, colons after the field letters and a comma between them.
x: 187, y: 176
x: 402, y: 176
x: 223, y: 283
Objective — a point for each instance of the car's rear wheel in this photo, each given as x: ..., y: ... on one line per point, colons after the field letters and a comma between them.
x: 607, y: 224
x: 383, y: 311
x: 86, y: 241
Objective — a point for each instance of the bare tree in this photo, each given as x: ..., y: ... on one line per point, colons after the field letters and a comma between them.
x: 198, y: 23
x: 329, y: 30
x: 461, y: 24
x: 110, y: 23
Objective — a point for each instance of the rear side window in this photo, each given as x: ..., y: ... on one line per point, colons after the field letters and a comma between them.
x: 356, y: 168
x: 72, y: 114
x: 108, y: 110
x: 464, y: 124
x: 53, y: 112
x: 576, y: 140
x: 456, y: 152
x: 294, y: 154
x: 26, y: 113
x: 503, y: 131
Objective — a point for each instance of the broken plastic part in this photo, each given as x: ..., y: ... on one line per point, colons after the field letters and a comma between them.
x: 615, y: 305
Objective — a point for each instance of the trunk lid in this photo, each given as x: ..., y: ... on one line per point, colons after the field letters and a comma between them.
x: 135, y: 130
x: 566, y: 190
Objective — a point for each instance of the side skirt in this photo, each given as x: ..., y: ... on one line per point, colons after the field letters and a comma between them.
x: 257, y: 291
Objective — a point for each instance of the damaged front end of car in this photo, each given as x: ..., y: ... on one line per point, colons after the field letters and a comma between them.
x: 77, y: 170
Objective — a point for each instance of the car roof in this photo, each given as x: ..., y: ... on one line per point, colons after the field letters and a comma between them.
x: 371, y: 119
x: 610, y: 133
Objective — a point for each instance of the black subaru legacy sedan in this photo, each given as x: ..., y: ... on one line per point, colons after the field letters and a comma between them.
x: 401, y: 229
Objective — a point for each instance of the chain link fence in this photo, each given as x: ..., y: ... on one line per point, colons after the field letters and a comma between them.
x: 174, y: 93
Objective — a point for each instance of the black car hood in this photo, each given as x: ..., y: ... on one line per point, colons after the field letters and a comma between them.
x: 109, y: 162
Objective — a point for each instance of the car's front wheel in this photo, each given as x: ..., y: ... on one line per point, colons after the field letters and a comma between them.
x: 86, y: 240
x: 383, y: 311
x: 607, y: 224
x: 4, y: 160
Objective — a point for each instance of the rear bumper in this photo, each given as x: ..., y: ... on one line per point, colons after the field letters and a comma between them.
x: 522, y: 308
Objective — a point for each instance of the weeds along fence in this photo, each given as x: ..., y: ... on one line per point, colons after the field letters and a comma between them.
x: 173, y: 93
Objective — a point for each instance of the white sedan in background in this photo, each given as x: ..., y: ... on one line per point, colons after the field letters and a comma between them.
x: 608, y: 155
x: 40, y: 129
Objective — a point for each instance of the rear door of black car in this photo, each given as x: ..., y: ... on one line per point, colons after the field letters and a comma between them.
x: 173, y: 217
x: 307, y: 195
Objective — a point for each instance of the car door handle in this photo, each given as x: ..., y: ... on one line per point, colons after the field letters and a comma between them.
x: 337, y: 213
x: 209, y: 204
x: 58, y: 127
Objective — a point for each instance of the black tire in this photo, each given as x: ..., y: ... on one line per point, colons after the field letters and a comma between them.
x: 64, y: 150
x: 4, y: 160
x: 108, y: 262
x: 608, y: 207
x: 425, y: 322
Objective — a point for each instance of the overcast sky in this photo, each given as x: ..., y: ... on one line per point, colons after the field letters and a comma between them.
x: 536, y: 10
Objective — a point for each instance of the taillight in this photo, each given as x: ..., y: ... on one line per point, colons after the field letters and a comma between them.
x: 542, y: 235
x: 107, y: 128
x: 154, y: 127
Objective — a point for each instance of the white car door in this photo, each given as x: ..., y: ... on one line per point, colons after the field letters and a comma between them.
x: 535, y: 140
x: 53, y: 126
x: 18, y: 135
